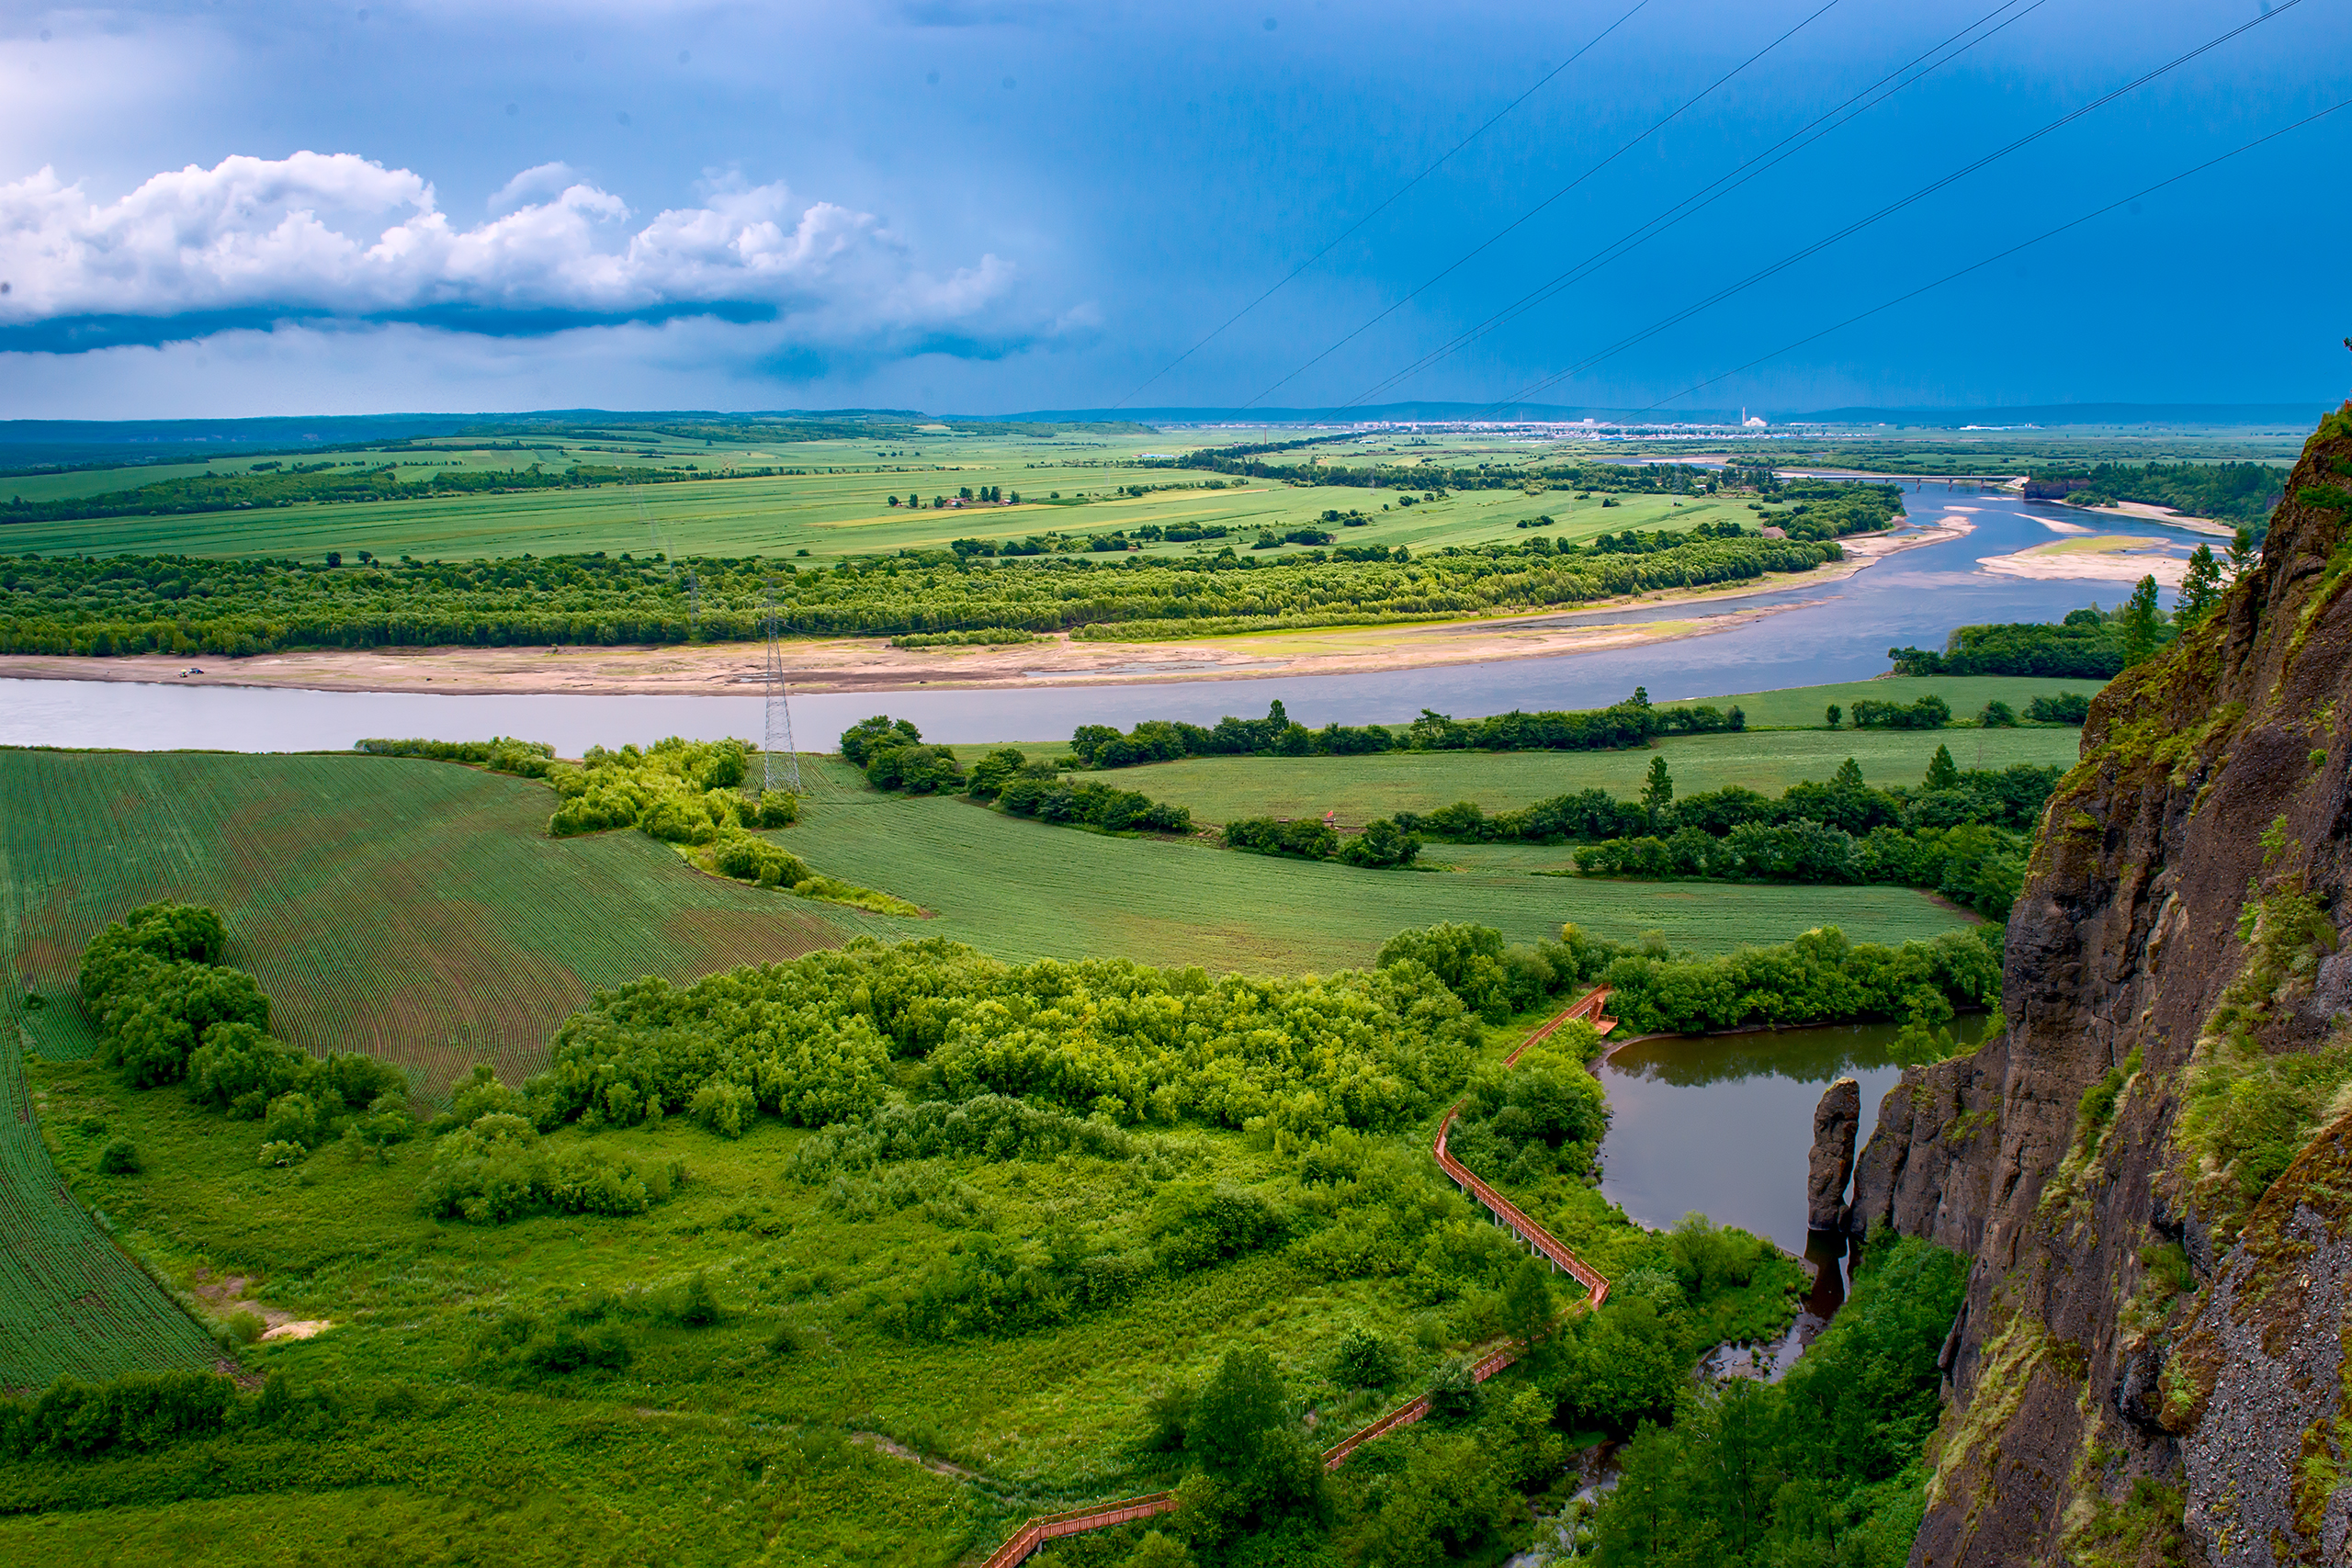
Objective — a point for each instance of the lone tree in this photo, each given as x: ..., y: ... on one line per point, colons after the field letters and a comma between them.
x: 1658, y: 790
x: 1237, y: 1414
x: 2201, y: 589
x: 2141, y: 620
x: 1942, y: 772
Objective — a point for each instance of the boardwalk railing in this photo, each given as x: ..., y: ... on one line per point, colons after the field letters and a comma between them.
x: 1102, y: 1516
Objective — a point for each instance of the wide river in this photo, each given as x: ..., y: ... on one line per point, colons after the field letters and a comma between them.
x: 1840, y: 631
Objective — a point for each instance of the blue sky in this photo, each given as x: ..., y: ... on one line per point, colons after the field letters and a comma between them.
x: 213, y: 208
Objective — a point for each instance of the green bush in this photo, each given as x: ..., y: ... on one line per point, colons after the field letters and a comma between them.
x: 495, y: 1169
x: 1365, y: 1360
x: 813, y: 1041
x: 119, y: 1157
x: 861, y: 741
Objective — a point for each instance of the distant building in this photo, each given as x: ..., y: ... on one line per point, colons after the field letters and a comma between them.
x: 1772, y: 532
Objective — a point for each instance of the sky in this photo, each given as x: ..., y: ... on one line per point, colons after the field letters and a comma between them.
x: 210, y: 208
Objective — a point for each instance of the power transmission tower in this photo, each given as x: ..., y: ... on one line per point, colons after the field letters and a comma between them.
x: 694, y: 607
x: 778, y: 737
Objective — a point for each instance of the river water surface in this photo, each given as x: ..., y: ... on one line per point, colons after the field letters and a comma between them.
x: 1837, y: 631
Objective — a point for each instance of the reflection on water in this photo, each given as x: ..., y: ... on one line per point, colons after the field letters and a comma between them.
x: 1723, y: 1124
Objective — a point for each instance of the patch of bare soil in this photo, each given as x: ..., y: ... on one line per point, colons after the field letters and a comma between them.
x: 224, y: 1295
x: 881, y: 1444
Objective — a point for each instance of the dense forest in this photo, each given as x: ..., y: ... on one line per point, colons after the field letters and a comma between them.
x: 184, y: 604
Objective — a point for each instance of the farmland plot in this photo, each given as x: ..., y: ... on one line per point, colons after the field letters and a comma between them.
x: 414, y: 910
x: 71, y: 1304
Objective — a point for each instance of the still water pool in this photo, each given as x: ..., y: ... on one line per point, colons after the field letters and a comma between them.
x: 1723, y: 1124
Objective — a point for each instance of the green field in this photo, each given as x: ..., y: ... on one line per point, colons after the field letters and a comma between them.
x: 1801, y: 706
x: 1022, y: 889
x: 1226, y: 789
x: 838, y: 507
x: 414, y: 910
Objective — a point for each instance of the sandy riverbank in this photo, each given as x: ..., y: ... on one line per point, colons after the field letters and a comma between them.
x: 848, y: 664
x: 2105, y: 558
x: 2143, y: 511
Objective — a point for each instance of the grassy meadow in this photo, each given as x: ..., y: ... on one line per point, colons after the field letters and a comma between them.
x: 1024, y: 889
x: 1225, y: 789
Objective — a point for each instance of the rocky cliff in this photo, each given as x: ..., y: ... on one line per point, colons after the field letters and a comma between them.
x: 2151, y: 1163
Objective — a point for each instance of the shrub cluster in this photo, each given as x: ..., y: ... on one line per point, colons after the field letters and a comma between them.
x: 1823, y: 1466
x: 140, y: 1412
x: 1094, y: 805
x: 1981, y: 867
x: 892, y: 753
x: 1820, y: 978
x: 1930, y: 712
x: 987, y: 637
x: 494, y: 1168
x: 2008, y: 797
x: 500, y: 754
x: 988, y: 1126
x: 682, y: 792
x: 1381, y: 845
x: 167, y: 1011
x: 2067, y: 707
x: 811, y: 1042
x: 1542, y: 1117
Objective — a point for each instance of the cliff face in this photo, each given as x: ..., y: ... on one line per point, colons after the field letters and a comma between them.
x: 2147, y: 1166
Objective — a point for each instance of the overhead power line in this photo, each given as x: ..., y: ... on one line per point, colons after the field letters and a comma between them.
x: 1394, y: 197
x: 1523, y: 219
x: 1914, y: 70
x: 2003, y: 256
x: 1752, y: 279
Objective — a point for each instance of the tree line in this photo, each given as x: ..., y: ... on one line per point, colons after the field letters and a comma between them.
x: 123, y: 605
x: 2090, y: 643
x: 1962, y: 833
x: 1634, y: 722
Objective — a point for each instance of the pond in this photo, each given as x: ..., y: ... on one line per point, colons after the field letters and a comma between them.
x: 1723, y: 1124
x: 1834, y: 631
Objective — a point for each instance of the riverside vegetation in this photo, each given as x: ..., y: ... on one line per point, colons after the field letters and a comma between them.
x: 66, y: 604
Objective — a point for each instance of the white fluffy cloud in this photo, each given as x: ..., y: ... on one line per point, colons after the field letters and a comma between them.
x: 333, y: 236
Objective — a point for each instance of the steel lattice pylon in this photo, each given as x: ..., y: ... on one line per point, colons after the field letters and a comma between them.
x: 777, y: 740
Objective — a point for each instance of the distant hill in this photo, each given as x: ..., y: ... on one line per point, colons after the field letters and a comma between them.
x: 75, y: 443
x: 2298, y: 415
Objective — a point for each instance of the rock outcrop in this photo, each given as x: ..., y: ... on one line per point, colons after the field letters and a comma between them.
x: 1835, y: 1122
x: 2145, y: 1163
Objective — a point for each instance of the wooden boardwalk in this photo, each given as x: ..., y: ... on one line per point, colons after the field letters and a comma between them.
x: 1102, y: 1516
